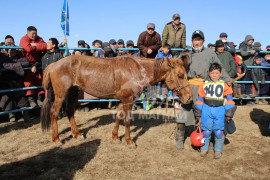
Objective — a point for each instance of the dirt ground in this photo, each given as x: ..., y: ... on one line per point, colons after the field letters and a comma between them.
x: 27, y: 153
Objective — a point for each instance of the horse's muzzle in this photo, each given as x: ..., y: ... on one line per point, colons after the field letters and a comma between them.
x: 186, y: 100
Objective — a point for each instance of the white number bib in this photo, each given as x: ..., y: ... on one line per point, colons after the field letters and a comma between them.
x: 214, y: 90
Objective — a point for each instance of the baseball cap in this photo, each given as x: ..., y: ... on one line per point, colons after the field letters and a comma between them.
x: 106, y: 46
x: 198, y: 32
x: 232, y: 43
x: 112, y: 41
x: 130, y: 42
x: 151, y: 25
x: 268, y: 47
x: 81, y: 42
x: 176, y: 15
x: 120, y: 41
x: 223, y: 34
x: 210, y: 44
x: 257, y: 44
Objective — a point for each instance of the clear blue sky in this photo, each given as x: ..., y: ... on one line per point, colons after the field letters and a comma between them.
x: 90, y: 20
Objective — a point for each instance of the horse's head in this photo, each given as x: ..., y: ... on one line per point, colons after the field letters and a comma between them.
x: 176, y: 80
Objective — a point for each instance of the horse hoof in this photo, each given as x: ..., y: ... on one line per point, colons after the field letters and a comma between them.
x: 132, y: 145
x: 80, y: 137
x: 58, y: 144
x: 116, y: 141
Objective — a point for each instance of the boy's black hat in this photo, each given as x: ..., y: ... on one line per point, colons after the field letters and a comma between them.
x: 256, y: 46
x: 106, y: 46
x: 81, y: 42
x: 219, y: 43
x: 130, y: 42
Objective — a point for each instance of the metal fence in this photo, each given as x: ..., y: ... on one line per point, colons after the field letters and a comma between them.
x: 106, y: 100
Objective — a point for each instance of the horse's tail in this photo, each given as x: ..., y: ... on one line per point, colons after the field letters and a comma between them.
x: 45, y: 118
x: 46, y: 82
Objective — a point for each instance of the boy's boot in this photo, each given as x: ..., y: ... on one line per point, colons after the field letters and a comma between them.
x: 110, y: 105
x: 12, y: 117
x: 40, y: 99
x: 180, y: 135
x: 32, y: 101
x: 235, y: 93
x: 218, y: 146
x: 239, y: 92
x: 205, y: 147
x: 263, y: 101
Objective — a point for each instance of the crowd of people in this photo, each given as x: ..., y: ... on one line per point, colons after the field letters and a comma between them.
x: 36, y: 55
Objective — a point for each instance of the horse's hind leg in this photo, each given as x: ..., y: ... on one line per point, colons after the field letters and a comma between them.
x: 127, y: 110
x: 70, y: 110
x: 54, y: 114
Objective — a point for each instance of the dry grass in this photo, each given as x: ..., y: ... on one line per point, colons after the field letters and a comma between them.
x: 26, y: 153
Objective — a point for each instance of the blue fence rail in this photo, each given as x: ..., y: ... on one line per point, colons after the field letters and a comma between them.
x: 104, y: 100
x: 130, y: 49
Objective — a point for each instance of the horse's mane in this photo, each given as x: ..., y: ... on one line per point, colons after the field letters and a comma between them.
x: 127, y: 60
x: 158, y: 63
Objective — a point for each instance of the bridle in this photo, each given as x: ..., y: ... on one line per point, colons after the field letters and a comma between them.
x: 179, y: 87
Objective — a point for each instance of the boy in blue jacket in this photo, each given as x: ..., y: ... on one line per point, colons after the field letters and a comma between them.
x: 165, y: 52
x: 215, y: 102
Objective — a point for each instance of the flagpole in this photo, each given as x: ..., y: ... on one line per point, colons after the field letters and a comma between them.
x: 66, y: 48
x: 66, y: 45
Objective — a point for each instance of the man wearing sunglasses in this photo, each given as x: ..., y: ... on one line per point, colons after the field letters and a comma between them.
x: 149, y: 42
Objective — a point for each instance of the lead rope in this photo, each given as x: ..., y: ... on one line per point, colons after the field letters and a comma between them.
x: 173, y: 133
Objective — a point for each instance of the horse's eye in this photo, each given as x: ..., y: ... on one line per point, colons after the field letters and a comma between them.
x: 180, y: 76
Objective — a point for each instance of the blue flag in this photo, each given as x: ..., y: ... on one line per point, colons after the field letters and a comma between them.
x: 65, y: 18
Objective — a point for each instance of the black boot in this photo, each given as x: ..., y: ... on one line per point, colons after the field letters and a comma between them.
x: 180, y: 135
x: 32, y: 101
x: 12, y: 117
x: 40, y: 99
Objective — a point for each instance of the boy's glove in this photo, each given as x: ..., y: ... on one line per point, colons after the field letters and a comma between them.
x: 197, y: 111
x: 197, y: 120
x: 228, y: 118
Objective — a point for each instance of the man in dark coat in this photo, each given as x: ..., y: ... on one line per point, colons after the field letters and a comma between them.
x: 149, y: 42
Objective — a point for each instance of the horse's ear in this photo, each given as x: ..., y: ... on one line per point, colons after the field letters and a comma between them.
x: 170, y: 62
x: 185, y: 58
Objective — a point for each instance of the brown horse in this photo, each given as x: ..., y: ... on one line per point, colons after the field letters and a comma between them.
x: 121, y: 78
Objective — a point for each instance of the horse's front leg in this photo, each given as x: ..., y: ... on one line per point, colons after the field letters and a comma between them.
x: 119, y: 115
x: 127, y: 110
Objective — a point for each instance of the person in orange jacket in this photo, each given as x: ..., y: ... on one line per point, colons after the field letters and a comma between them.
x: 215, y: 102
x: 34, y: 48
